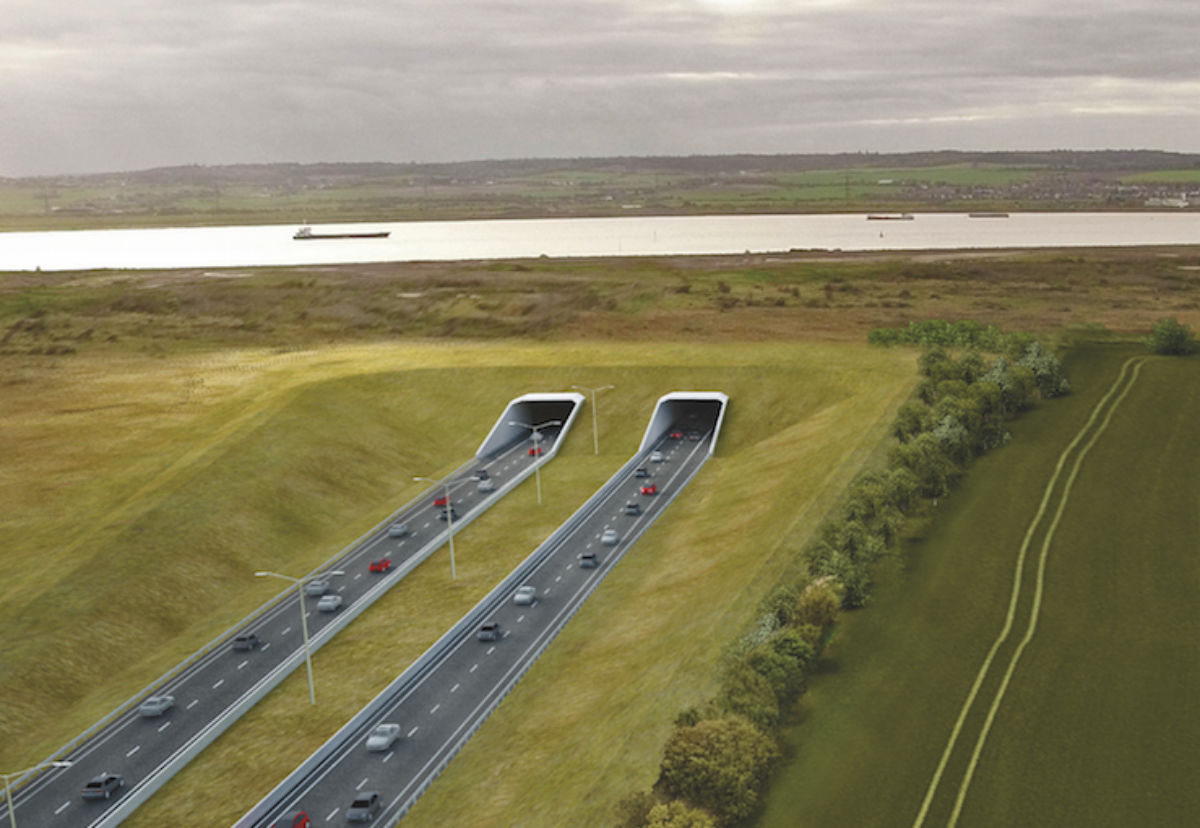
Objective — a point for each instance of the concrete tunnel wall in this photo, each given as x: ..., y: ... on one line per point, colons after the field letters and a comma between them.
x: 531, y: 409
x: 687, y: 410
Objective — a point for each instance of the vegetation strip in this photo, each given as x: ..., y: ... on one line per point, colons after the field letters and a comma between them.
x: 1008, y: 622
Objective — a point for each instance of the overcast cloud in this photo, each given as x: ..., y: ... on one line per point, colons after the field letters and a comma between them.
x: 131, y: 84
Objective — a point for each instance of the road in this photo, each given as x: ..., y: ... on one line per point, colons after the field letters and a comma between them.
x: 443, y: 699
x: 224, y: 683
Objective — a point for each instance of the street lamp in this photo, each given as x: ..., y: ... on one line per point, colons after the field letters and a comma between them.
x: 12, y: 814
x: 595, y: 427
x: 300, y: 582
x: 537, y: 440
x: 449, y: 517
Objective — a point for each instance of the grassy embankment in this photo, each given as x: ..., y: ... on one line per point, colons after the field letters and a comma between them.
x: 1094, y: 727
x: 196, y: 471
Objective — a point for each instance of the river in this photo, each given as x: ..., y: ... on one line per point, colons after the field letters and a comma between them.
x: 214, y: 247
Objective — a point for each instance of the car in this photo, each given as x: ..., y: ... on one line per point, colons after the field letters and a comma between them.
x: 380, y: 565
x: 383, y: 737
x: 451, y: 511
x: 656, y: 457
x: 156, y: 706
x: 694, y: 436
x: 609, y: 538
x: 397, y: 530
x: 246, y: 641
x: 486, y: 486
x: 442, y: 501
x: 489, y: 631
x: 364, y: 807
x: 676, y: 434
x: 641, y: 471
x: 525, y: 595
x: 329, y: 603
x: 296, y: 819
x: 481, y: 474
x: 650, y: 489
x: 535, y: 451
x: 317, y: 588
x: 633, y: 509
x: 588, y: 560
x: 103, y: 786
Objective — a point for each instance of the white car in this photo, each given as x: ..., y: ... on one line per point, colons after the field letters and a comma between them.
x: 609, y: 538
x: 656, y: 457
x: 486, y: 486
x: 329, y: 603
x: 156, y: 706
x: 525, y: 595
x: 383, y: 737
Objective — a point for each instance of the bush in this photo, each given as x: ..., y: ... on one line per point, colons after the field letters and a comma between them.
x: 719, y: 765
x: 1171, y: 338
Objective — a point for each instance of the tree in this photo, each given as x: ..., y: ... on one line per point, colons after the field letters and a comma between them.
x: 676, y: 814
x: 1170, y: 338
x: 719, y: 765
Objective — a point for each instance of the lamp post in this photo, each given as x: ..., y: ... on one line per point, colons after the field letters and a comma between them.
x: 12, y: 814
x: 537, y: 443
x: 595, y: 426
x: 300, y: 582
x: 449, y: 517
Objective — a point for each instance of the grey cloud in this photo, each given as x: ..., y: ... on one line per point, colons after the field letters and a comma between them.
x: 133, y: 83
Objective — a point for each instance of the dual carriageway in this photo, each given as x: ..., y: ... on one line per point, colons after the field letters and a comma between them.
x: 443, y: 697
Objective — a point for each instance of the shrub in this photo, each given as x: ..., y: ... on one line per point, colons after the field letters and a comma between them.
x: 1170, y: 338
x: 719, y: 765
x: 676, y: 814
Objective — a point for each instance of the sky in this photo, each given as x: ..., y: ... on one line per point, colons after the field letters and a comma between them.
x: 134, y: 84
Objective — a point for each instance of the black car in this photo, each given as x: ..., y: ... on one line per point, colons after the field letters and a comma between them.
x: 103, y: 786
x: 588, y: 560
x: 642, y: 471
x: 489, y: 632
x: 481, y: 474
x: 246, y: 641
x: 632, y: 509
x: 453, y: 514
x: 364, y: 807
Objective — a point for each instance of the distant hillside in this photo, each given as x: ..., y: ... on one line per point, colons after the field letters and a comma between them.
x: 1099, y: 161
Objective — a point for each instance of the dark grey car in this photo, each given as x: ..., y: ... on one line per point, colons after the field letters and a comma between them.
x: 364, y: 807
x: 103, y: 786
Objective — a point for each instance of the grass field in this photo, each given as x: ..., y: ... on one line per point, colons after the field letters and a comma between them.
x: 1091, y: 725
x: 168, y: 433
x: 123, y: 557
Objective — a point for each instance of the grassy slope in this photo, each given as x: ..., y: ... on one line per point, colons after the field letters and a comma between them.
x: 1069, y: 745
x: 199, y: 470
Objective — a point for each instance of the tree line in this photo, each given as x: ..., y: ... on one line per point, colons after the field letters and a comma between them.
x: 720, y: 755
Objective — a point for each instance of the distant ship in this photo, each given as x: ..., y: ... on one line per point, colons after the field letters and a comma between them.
x: 307, y: 234
x: 890, y: 217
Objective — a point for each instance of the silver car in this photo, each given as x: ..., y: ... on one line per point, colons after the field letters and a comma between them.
x: 329, y: 603
x: 156, y: 706
x: 383, y: 737
x: 486, y: 486
x: 609, y: 538
x: 397, y: 530
x: 317, y: 588
x: 364, y: 807
x: 525, y: 595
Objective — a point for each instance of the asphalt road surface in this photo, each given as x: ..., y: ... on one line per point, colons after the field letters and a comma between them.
x: 441, y: 704
x: 140, y: 749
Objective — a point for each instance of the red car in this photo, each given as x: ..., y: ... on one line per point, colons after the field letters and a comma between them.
x: 441, y: 501
x: 535, y: 451
x: 381, y: 565
x: 676, y: 434
x: 650, y: 488
x: 296, y: 819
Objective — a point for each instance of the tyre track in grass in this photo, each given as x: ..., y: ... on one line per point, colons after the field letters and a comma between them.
x: 1120, y: 388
